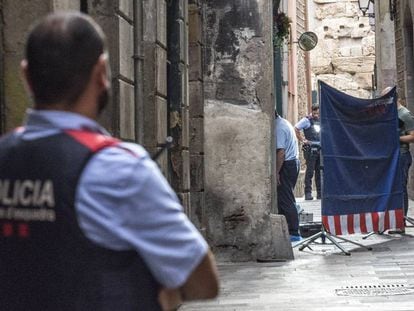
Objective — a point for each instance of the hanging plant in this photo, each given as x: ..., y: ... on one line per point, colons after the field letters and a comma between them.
x: 281, y: 27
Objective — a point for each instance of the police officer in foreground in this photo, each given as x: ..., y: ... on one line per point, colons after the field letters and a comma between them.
x: 87, y: 222
x: 310, y: 126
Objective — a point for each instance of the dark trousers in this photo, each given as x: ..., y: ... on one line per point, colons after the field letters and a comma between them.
x: 285, y: 196
x: 405, y: 163
x: 313, y: 165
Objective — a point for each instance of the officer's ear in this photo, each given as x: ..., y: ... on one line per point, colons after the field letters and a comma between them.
x: 103, y: 72
x: 24, y: 67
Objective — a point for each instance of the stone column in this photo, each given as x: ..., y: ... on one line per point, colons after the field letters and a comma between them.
x: 386, y: 67
x: 196, y: 105
x: 238, y: 122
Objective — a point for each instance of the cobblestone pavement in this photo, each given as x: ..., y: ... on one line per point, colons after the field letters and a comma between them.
x: 324, y: 278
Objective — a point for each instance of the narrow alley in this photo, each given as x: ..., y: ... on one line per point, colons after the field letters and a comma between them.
x: 198, y: 89
x: 323, y: 279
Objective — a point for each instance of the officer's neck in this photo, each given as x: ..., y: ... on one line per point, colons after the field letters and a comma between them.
x: 85, y: 105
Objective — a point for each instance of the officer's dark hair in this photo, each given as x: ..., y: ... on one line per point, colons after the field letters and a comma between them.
x: 315, y: 107
x: 61, y: 51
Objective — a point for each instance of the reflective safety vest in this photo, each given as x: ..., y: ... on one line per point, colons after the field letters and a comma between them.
x: 46, y: 261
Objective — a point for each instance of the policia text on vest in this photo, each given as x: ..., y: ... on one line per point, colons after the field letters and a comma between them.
x: 16, y: 195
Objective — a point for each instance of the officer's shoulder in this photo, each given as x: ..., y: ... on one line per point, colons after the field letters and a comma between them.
x: 126, y: 150
x: 133, y: 149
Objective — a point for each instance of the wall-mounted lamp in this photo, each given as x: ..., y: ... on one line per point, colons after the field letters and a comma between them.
x: 364, y: 6
x: 393, y: 9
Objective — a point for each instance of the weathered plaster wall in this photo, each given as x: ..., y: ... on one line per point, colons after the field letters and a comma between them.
x: 238, y: 116
x: 345, y: 54
x: 196, y: 109
x: 17, y: 16
x: 232, y: 68
x: 384, y: 47
x: 404, y: 42
x: 303, y: 88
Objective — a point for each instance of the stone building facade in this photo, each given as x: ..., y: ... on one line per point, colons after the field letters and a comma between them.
x: 404, y: 50
x: 301, y: 83
x: 385, y: 60
x: 239, y: 141
x: 148, y: 46
x: 404, y: 39
x: 345, y: 55
x: 304, y: 85
x: 200, y: 71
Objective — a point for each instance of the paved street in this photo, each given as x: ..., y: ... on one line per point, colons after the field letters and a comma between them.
x: 323, y: 279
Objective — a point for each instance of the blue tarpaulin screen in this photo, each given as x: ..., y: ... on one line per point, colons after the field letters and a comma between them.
x: 362, y: 188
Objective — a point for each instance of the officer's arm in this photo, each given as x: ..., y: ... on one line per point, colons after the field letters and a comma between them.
x: 299, y: 134
x: 203, y: 281
x: 408, y: 138
x: 280, y: 158
x: 201, y: 284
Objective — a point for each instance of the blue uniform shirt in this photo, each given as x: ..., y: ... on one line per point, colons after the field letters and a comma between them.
x: 123, y: 202
x: 286, y: 139
x: 303, y: 124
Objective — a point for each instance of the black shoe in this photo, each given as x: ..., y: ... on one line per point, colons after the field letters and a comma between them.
x: 308, y: 197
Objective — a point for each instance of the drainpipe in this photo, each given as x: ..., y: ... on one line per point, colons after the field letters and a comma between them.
x: 138, y: 71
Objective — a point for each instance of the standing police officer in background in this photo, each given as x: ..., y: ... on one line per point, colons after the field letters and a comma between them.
x: 311, y: 150
x: 87, y: 222
x: 406, y: 133
x: 287, y: 172
x: 406, y: 137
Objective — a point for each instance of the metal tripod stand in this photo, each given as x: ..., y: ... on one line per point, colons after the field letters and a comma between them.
x: 323, y: 234
x: 407, y: 219
x: 410, y: 220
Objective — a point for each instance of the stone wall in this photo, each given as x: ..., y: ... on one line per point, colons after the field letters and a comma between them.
x: 118, y: 23
x: 178, y: 104
x: 238, y: 121
x: 16, y: 18
x: 405, y: 52
x: 154, y: 111
x: 137, y: 37
x: 404, y: 42
x: 139, y: 50
x: 302, y: 85
x: 386, y: 67
x: 399, y: 51
x: 196, y: 105
x: 345, y: 54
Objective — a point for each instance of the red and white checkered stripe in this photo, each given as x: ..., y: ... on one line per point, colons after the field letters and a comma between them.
x: 364, y: 222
